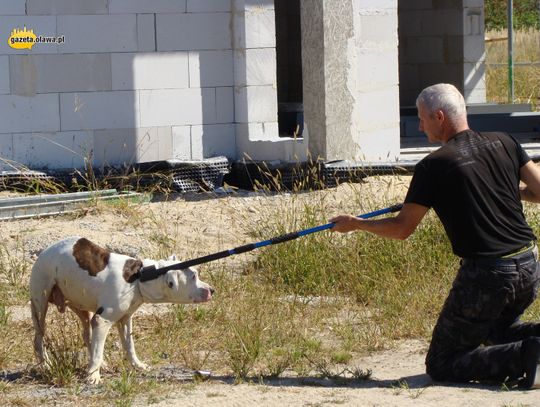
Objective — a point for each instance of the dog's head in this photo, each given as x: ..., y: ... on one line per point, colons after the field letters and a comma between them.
x: 176, y: 286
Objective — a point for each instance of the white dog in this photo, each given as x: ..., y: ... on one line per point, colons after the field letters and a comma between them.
x: 93, y: 282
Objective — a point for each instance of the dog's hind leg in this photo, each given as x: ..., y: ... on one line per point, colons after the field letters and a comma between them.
x: 40, y: 290
x: 39, y: 312
x: 125, y: 331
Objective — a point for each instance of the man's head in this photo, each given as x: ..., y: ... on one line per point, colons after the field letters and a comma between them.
x: 442, y: 112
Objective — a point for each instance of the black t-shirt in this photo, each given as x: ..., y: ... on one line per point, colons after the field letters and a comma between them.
x: 472, y: 183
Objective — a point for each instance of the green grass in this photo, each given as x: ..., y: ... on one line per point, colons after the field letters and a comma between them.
x: 305, y: 308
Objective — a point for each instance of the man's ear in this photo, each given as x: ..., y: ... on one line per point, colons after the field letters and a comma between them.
x: 440, y: 116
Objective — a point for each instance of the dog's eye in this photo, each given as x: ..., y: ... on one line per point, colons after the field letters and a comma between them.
x: 170, y: 284
x: 194, y: 276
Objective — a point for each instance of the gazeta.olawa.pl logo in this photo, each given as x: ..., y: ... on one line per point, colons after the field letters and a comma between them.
x: 26, y: 39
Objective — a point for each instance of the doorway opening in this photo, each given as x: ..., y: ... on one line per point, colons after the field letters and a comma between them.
x: 289, y: 68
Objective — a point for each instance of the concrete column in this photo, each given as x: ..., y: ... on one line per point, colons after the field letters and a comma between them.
x: 350, y: 75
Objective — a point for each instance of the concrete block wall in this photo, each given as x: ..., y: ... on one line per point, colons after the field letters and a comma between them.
x: 137, y: 80
x: 441, y: 41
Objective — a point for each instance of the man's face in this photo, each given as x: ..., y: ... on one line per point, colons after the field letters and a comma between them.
x: 430, y: 123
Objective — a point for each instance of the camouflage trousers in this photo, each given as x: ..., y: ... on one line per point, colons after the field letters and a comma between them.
x: 478, y: 334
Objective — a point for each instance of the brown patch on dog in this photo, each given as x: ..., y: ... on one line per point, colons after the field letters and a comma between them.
x: 90, y: 256
x: 131, y: 267
x: 57, y: 298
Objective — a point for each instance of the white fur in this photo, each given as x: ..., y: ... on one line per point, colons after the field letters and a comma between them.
x: 85, y: 294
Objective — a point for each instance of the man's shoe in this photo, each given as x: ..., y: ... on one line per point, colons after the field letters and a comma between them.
x: 530, y: 356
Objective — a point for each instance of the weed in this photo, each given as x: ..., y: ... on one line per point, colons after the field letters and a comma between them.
x: 124, y: 388
x: 341, y: 357
x: 14, y: 270
x: 402, y: 385
x: 63, y: 346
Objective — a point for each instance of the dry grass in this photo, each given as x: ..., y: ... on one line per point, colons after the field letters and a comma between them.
x: 526, y: 77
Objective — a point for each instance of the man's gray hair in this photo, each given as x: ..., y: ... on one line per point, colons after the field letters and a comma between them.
x: 445, y: 97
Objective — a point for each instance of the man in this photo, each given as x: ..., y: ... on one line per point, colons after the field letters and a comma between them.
x: 473, y: 184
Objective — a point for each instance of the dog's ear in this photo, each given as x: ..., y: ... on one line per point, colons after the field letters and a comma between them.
x: 173, y: 257
x: 131, y: 267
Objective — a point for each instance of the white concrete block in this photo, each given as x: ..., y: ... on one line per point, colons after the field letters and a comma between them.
x: 181, y: 142
x: 474, y: 49
x: 255, y: 29
x: 153, y: 144
x: 210, y: 68
x: 127, y: 146
x: 146, y: 6
x: 376, y: 70
x: 473, y: 3
x: 63, y: 150
x: 378, y: 145
x: 177, y: 107
x: 146, y: 32
x: 13, y: 7
x: 99, y: 110
x: 103, y: 33
x: 368, y: 114
x: 115, y: 147
x: 476, y: 95
x: 213, y: 140
x: 255, y: 104
x: 31, y: 74
x: 193, y: 31
x: 156, y: 70
x: 4, y: 75
x: 256, y: 66
x: 260, y: 142
x: 375, y: 4
x: 253, y: 5
x: 224, y: 105
x: 257, y: 131
x: 70, y: 7
x: 378, y: 28
x: 24, y: 114
x: 208, y: 6
x: 6, y: 152
x: 41, y: 25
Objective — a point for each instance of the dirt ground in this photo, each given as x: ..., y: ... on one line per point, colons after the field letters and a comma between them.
x: 203, y: 224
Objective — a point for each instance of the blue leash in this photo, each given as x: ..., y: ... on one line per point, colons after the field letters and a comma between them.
x: 151, y: 272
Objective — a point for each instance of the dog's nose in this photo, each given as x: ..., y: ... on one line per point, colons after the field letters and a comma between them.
x: 212, y: 291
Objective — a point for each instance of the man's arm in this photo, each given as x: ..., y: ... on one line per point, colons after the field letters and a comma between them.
x: 530, y: 176
x: 398, y: 227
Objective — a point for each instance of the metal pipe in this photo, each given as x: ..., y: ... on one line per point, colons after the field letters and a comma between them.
x: 510, y: 51
x: 151, y: 272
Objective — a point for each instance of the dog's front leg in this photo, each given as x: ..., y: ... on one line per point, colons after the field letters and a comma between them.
x: 126, y: 335
x: 100, y: 329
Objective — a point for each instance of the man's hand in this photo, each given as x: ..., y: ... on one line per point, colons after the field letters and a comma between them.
x: 397, y: 227
x: 345, y: 223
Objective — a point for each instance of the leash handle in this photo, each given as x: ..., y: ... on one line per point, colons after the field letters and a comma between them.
x: 151, y: 272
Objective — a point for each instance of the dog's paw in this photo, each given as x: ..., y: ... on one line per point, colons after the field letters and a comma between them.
x: 141, y: 366
x: 93, y: 378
